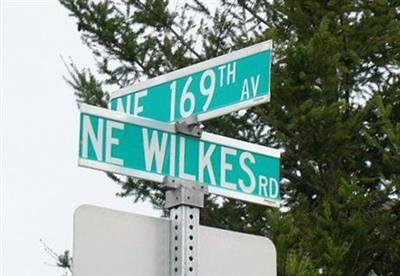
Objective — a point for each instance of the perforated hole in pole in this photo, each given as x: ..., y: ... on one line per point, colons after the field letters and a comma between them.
x: 175, y: 242
x: 190, y: 241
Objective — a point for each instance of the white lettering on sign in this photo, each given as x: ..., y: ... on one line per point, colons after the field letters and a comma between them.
x: 225, y: 166
x: 96, y: 140
x: 205, y: 162
x: 188, y: 101
x: 263, y: 185
x: 231, y: 73
x: 137, y: 108
x: 182, y: 146
x: 273, y: 187
x: 268, y: 187
x: 121, y: 107
x: 243, y: 157
x: 172, y: 155
x: 254, y: 86
x: 172, y: 87
x: 209, y: 91
x: 245, y: 90
x: 187, y: 97
x: 154, y: 149
x: 110, y: 140
x: 221, y: 74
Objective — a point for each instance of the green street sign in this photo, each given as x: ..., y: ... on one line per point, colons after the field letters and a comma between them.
x: 119, y: 143
x: 209, y: 89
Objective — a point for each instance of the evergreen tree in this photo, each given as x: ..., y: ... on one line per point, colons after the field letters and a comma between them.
x: 335, y: 111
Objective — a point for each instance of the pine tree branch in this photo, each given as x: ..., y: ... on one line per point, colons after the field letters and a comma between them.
x: 242, y: 3
x: 172, y: 30
x: 182, y: 40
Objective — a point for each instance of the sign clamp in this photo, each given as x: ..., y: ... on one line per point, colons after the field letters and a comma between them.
x: 184, y: 192
x: 184, y: 200
x: 190, y: 126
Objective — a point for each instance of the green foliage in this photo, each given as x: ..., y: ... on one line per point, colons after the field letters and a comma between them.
x: 65, y: 260
x: 335, y: 111
x: 299, y: 266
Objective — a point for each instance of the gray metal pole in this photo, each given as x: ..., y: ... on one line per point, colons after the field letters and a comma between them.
x: 184, y: 202
x: 184, y: 240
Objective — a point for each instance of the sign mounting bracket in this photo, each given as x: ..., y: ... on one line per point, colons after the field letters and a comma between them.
x: 184, y: 192
x: 190, y: 126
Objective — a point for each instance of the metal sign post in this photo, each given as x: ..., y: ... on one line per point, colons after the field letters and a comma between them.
x: 184, y: 201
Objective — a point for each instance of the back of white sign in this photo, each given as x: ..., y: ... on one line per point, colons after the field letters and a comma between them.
x: 108, y: 242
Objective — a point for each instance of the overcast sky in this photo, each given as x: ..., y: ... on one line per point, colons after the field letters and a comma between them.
x: 40, y: 180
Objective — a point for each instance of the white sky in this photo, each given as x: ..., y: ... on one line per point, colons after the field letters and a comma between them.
x: 40, y: 180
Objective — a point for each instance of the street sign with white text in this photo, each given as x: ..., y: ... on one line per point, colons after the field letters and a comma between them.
x: 147, y: 149
x: 209, y: 89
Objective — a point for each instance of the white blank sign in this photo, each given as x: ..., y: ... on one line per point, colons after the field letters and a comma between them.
x: 114, y: 243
